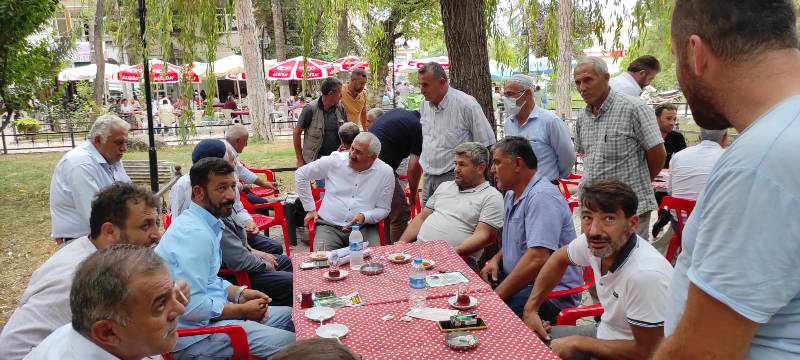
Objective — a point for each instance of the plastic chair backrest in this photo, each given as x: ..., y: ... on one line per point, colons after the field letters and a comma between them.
x: 166, y: 220
x: 682, y: 209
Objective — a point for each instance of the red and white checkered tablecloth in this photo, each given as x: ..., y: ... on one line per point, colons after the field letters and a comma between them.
x: 506, y: 337
x: 392, y: 284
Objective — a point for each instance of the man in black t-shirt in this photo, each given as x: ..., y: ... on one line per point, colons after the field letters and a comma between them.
x: 400, y: 133
x: 666, y: 115
x: 674, y: 141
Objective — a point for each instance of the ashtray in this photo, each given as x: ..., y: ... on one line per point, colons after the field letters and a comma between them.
x: 461, y: 340
x: 372, y: 269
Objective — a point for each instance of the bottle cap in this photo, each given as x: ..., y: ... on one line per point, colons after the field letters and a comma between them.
x: 354, y: 228
x: 417, y: 261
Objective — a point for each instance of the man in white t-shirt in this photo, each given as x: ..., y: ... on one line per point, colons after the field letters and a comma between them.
x: 690, y: 167
x: 467, y: 212
x: 631, y: 276
x: 639, y: 74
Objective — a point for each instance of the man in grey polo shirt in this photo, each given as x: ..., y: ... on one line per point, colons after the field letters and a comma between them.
x: 537, y: 222
x: 619, y: 137
x: 449, y: 117
x: 466, y: 212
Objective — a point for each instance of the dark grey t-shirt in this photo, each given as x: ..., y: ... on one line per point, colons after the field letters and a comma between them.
x: 330, y: 140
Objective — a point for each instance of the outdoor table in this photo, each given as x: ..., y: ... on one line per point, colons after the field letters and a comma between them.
x: 661, y: 182
x: 506, y: 336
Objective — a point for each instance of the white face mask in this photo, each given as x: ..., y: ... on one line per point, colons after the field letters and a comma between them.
x: 510, y: 104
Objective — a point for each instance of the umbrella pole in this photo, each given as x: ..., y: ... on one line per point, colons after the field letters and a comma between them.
x: 148, y: 98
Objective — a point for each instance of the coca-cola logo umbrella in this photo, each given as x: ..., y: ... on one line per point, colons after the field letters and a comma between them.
x: 292, y: 69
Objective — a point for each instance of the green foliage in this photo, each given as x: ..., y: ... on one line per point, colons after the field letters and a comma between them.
x: 82, y: 110
x: 25, y: 66
x: 655, y: 40
x: 28, y: 125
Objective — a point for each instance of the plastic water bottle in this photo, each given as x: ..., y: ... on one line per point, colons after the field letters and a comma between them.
x: 356, y: 248
x: 416, y: 281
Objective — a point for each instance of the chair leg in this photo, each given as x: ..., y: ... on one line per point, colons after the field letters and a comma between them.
x: 286, y: 243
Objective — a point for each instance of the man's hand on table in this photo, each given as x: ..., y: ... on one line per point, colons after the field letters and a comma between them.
x: 532, y: 320
x: 490, y: 271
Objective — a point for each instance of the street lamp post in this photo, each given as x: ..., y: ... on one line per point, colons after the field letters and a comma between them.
x: 149, y: 101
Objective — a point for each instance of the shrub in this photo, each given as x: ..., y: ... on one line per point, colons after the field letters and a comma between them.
x: 28, y: 125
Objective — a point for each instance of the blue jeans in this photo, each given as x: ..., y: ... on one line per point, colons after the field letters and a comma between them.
x: 265, y: 338
x: 265, y: 244
x: 516, y: 302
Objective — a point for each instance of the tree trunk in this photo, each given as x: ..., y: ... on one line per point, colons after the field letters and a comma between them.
x: 280, y: 45
x: 343, y: 47
x: 256, y: 86
x: 99, y: 57
x: 465, y: 37
x: 564, y: 63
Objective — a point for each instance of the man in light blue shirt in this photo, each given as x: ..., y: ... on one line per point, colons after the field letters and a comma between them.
x: 191, y: 249
x: 549, y: 136
x: 536, y: 223
x: 82, y: 173
x: 735, y: 293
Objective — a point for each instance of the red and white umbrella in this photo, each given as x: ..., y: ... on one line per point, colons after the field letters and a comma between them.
x: 441, y: 60
x: 292, y: 69
x: 160, y: 73
x: 349, y: 63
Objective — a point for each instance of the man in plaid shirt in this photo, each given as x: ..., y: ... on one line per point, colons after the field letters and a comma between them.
x: 619, y: 137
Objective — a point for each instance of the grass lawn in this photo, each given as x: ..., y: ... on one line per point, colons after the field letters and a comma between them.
x: 24, y: 207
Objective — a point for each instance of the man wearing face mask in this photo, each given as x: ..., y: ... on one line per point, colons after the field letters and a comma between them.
x: 548, y: 135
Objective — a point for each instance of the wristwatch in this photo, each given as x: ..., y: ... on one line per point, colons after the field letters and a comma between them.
x: 239, y: 294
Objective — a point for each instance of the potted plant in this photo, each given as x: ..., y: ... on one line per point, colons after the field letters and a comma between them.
x: 28, y: 126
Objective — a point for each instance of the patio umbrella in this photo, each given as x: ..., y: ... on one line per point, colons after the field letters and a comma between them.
x: 161, y: 73
x: 348, y: 63
x: 292, y: 69
x: 87, y: 72
x: 441, y: 60
x: 242, y: 76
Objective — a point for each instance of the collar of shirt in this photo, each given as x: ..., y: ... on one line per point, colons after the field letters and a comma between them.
x: 612, y: 95
x: 623, y: 254
x: 95, y: 154
x: 442, y: 104
x: 535, y: 113
x: 475, y: 189
x: 709, y: 144
x: 631, y: 80
x: 527, y: 190
x: 212, y: 221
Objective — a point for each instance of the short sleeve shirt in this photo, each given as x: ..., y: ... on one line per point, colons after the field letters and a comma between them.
x: 353, y: 106
x: 614, y: 143
x: 400, y: 133
x: 539, y: 218
x: 330, y: 138
x: 633, y: 291
x: 741, y: 245
x: 456, y: 213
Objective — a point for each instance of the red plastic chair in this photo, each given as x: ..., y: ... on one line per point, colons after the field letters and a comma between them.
x: 241, y: 349
x: 166, y: 220
x: 588, y: 281
x: 241, y: 277
x: 265, y: 222
x: 570, y: 316
x: 572, y: 200
x: 260, y: 191
x: 312, y: 230
x: 417, y: 208
x: 682, y: 208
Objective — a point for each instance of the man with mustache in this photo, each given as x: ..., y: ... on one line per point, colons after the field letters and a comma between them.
x: 354, y: 98
x: 630, y: 274
x: 124, y: 306
x: 120, y: 214
x: 537, y: 221
x: 736, y: 289
x: 358, y: 192
x: 191, y: 249
x: 618, y: 136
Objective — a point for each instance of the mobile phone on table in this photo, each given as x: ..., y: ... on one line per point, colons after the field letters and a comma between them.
x: 447, y: 326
